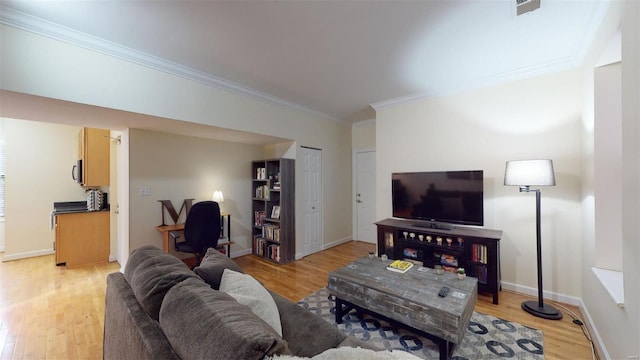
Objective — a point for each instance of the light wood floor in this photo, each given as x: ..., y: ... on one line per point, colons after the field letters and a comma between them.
x: 49, y: 312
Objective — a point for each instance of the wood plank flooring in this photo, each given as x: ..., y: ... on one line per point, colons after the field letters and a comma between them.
x: 49, y: 312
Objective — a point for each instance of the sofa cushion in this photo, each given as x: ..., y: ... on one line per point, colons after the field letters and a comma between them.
x: 151, y: 273
x: 306, y: 333
x: 129, y: 332
x: 201, y: 322
x: 212, y: 266
x: 248, y: 291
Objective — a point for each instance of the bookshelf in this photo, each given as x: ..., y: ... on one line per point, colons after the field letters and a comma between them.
x: 273, y: 197
x: 477, y: 250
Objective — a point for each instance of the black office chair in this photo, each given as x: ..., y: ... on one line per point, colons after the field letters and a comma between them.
x: 201, y: 229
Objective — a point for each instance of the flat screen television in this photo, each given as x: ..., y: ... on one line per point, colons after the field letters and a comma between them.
x: 449, y: 197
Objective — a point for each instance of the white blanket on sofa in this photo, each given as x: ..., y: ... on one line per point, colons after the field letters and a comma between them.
x: 348, y: 353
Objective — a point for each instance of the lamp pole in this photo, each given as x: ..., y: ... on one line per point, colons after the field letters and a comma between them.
x: 539, y: 309
x: 539, y: 245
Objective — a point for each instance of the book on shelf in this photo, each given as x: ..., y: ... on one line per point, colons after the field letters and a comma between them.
x: 449, y: 260
x: 400, y: 266
x: 258, y: 217
x: 258, y: 245
x: 262, y: 192
x: 388, y: 240
x: 479, y: 253
x: 481, y: 274
x: 450, y: 269
x: 273, y: 252
x: 271, y: 232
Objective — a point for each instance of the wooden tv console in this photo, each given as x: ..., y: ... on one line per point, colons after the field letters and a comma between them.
x: 477, y: 250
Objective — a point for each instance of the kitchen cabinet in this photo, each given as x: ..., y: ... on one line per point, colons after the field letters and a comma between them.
x: 94, y: 153
x: 82, y: 238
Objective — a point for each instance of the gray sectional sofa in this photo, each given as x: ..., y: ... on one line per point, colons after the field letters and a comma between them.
x: 160, y: 309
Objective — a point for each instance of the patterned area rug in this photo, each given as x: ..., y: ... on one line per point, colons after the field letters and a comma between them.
x: 487, y: 337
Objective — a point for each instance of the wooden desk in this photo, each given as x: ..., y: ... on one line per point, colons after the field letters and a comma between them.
x: 225, y: 233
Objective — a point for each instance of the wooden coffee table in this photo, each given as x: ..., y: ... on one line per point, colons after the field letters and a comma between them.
x: 410, y: 299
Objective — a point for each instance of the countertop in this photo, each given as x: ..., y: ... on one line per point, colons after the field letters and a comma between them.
x: 70, y: 207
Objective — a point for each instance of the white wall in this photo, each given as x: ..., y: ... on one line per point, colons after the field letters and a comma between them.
x: 181, y: 167
x: 363, y: 135
x: 617, y: 329
x: 627, y: 332
x: 608, y: 166
x: 39, y: 157
x: 2, y: 235
x: 528, y: 119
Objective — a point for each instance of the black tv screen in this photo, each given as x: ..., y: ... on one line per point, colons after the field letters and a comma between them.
x: 439, y: 196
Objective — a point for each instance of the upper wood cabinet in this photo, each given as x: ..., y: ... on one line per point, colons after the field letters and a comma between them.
x: 94, y: 153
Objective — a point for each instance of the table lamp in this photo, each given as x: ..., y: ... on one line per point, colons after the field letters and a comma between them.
x: 527, y: 173
x: 217, y: 196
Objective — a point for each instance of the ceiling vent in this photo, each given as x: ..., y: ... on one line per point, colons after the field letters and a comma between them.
x: 524, y: 6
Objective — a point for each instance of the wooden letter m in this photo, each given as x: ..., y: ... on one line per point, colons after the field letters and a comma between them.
x: 166, y: 204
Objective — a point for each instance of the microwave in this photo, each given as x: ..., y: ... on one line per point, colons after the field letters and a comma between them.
x: 76, y: 171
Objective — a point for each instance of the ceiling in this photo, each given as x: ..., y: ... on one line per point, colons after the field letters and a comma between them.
x: 336, y: 59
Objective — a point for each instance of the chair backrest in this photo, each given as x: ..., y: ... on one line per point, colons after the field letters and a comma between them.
x: 202, y: 227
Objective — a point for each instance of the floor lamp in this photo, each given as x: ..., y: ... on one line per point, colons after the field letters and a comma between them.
x: 527, y: 173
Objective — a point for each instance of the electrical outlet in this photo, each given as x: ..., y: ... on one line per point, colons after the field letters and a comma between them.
x: 145, y: 190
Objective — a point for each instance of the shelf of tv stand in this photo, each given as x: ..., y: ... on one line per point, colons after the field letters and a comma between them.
x: 472, y: 239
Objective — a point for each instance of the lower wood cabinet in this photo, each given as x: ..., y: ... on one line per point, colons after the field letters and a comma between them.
x: 82, y: 238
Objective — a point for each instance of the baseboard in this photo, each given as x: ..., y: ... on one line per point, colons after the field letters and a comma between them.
x: 26, y: 255
x: 600, y: 347
x: 113, y: 258
x: 337, y: 242
x: 566, y: 299
x: 328, y: 245
x: 572, y: 300
x: 235, y: 254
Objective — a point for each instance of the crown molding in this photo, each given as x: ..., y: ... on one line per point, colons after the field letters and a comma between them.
x: 494, y: 79
x: 58, y: 32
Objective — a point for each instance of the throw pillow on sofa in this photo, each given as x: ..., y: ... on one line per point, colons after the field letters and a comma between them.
x: 203, y: 323
x: 151, y: 272
x: 212, y: 266
x: 248, y: 291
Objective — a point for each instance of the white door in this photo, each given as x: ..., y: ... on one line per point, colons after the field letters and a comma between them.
x: 312, y: 198
x: 365, y: 196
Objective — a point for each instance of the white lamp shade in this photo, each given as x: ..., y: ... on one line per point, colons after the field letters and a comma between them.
x: 529, y: 173
x: 217, y: 196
